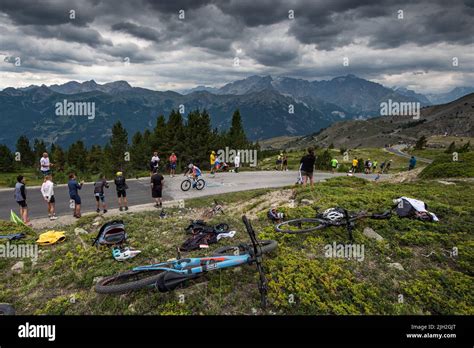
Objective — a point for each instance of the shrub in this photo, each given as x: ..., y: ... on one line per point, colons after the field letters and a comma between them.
x: 444, y: 167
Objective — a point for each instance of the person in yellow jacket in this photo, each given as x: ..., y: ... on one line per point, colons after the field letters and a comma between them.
x: 355, y: 163
x: 212, y: 160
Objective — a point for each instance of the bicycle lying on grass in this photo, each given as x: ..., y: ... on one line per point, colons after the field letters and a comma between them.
x: 330, y: 217
x: 192, y: 182
x: 168, y: 276
x: 216, y: 209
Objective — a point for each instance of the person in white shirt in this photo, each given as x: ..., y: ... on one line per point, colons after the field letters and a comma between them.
x: 154, y: 163
x: 45, y: 164
x: 237, y: 162
x: 47, y: 190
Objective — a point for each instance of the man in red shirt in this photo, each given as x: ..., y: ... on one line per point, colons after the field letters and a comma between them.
x: 173, y: 159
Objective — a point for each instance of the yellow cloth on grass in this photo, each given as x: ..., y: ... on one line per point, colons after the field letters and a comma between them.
x: 51, y: 237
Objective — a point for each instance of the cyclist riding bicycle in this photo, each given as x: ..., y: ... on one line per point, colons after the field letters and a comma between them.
x: 193, y: 171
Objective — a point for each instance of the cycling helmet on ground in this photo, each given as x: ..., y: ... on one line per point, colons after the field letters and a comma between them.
x: 121, y: 255
x: 333, y: 214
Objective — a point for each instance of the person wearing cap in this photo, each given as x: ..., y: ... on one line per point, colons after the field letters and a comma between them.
x: 212, y: 161
x: 121, y: 187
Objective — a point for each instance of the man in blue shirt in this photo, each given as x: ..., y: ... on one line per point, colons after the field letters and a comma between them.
x: 74, y: 186
x: 412, y: 163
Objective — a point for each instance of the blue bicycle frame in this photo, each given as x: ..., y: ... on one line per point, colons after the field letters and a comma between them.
x: 198, y: 265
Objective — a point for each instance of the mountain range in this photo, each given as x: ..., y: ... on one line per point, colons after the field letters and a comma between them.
x: 269, y: 106
x: 452, y: 119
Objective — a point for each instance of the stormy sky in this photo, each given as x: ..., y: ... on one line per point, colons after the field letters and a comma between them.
x: 149, y: 43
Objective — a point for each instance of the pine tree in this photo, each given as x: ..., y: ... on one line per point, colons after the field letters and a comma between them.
x: 58, y: 157
x: 118, y: 146
x: 39, y: 148
x: 176, y: 134
x: 94, y: 159
x: 236, y: 135
x: 138, y: 152
x: 160, y: 136
x: 323, y: 161
x: 27, y: 156
x: 465, y: 148
x: 7, y: 160
x: 77, y: 157
x: 421, y: 143
x: 451, y: 148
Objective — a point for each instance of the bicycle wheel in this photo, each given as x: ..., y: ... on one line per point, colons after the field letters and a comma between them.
x: 186, y: 185
x: 302, y: 225
x: 266, y: 246
x: 127, y: 281
x: 200, y: 184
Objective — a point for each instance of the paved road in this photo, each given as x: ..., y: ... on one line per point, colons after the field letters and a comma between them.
x: 139, y: 190
x: 397, y: 150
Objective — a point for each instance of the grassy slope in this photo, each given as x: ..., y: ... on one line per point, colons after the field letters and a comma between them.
x: 435, y: 285
x: 443, y: 166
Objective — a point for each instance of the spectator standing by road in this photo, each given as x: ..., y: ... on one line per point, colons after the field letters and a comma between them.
x: 307, y: 166
x: 154, y: 163
x: 173, y: 160
x: 47, y: 190
x: 412, y: 163
x: 20, y: 197
x: 74, y: 188
x: 99, y: 193
x: 334, y: 164
x: 157, y: 188
x: 121, y: 187
x: 237, y: 162
x: 45, y: 164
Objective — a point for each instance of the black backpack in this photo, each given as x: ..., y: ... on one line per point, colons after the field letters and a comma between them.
x: 405, y: 209
x: 111, y: 233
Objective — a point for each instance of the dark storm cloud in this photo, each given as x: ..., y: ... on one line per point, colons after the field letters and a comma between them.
x: 139, y: 31
x: 340, y: 23
x: 47, y: 12
x: 202, y: 46
x: 69, y: 33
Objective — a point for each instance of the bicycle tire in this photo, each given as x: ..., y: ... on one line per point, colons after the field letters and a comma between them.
x: 283, y: 227
x: 6, y: 309
x: 200, y: 184
x: 185, y: 185
x: 266, y: 246
x: 105, y: 287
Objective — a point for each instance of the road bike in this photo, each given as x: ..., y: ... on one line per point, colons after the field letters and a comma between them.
x: 324, y: 220
x: 190, y: 181
x: 167, y: 276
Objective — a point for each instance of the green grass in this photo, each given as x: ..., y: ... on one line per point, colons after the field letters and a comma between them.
x: 445, y: 167
x: 62, y: 280
x: 427, y: 153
